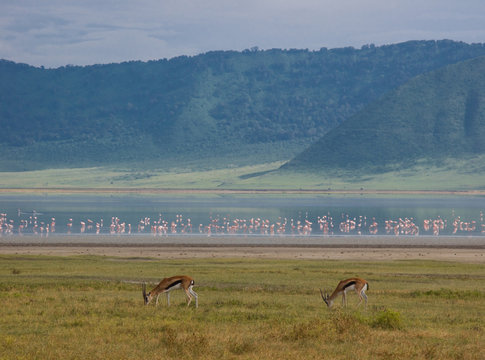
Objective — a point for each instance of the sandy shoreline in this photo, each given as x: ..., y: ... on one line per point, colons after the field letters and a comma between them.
x: 149, y: 190
x: 461, y: 249
x: 181, y: 252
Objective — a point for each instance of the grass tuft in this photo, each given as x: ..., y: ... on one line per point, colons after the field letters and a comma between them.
x: 387, y: 319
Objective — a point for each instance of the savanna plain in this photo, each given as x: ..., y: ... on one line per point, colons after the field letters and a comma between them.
x: 90, y: 306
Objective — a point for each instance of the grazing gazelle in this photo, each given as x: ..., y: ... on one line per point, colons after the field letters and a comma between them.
x: 359, y: 285
x: 168, y: 284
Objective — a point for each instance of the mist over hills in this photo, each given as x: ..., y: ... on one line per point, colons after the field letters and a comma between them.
x: 434, y: 116
x: 217, y: 109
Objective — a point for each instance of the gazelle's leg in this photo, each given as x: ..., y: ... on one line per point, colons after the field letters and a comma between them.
x: 344, y: 300
x: 194, y: 294
x: 157, y: 299
x: 189, y: 297
x: 168, y: 298
x: 365, y: 297
x: 359, y: 294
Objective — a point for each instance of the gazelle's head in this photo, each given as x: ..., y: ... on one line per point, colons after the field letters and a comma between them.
x: 146, y: 297
x: 326, y: 299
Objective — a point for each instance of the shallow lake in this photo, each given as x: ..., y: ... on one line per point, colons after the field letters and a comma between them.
x: 241, y: 214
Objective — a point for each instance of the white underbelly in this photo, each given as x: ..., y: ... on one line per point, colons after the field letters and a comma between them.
x: 349, y: 288
x: 177, y: 286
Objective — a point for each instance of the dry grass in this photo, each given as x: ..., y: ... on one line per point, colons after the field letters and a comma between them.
x: 91, y: 307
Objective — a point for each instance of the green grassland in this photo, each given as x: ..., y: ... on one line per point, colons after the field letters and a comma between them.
x: 91, y: 307
x: 450, y: 175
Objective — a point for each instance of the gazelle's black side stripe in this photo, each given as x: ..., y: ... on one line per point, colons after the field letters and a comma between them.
x: 175, y: 283
x: 349, y: 284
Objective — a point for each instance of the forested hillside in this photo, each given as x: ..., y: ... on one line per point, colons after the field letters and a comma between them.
x: 434, y: 116
x: 221, y: 107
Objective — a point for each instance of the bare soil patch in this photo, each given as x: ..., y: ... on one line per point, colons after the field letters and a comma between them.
x: 261, y: 252
x: 138, y: 190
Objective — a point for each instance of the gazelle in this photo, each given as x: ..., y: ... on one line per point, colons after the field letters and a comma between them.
x: 359, y: 285
x: 168, y: 284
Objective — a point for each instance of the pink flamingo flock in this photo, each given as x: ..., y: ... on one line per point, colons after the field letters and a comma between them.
x: 325, y: 225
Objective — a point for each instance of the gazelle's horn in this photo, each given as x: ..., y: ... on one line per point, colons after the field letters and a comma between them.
x: 144, y: 291
x: 323, y: 297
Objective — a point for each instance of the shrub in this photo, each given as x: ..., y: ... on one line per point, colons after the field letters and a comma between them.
x: 387, y: 319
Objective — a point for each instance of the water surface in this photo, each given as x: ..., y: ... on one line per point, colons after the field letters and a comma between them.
x: 241, y: 214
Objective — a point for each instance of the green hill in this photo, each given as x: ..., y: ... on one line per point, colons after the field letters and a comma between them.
x: 433, y: 117
x: 211, y: 110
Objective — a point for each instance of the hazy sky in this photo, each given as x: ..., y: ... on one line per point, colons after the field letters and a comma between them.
x: 54, y: 33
